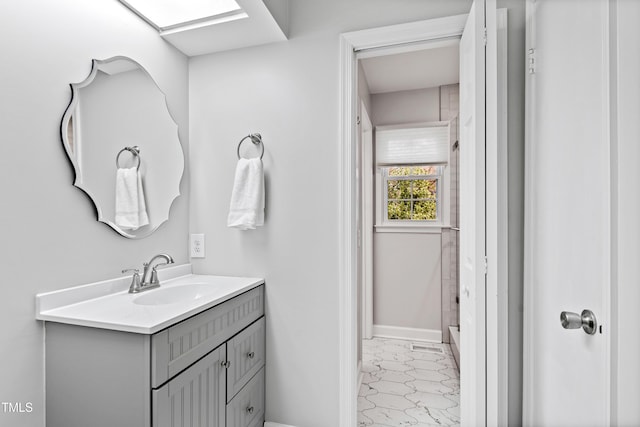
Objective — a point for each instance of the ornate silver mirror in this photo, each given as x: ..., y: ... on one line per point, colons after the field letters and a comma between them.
x: 124, y: 147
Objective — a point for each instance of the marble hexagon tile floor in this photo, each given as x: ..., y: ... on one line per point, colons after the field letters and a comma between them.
x: 401, y: 387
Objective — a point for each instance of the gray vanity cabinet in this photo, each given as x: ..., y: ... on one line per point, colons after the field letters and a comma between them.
x: 205, y: 371
x: 228, y: 380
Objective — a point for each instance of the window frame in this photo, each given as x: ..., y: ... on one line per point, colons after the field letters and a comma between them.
x: 382, y: 223
x: 385, y: 194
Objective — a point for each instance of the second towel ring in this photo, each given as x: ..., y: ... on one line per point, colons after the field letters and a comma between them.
x: 135, y: 150
x: 256, y: 138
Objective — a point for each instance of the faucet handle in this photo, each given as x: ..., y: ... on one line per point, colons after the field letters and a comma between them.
x: 154, y: 275
x: 135, y: 280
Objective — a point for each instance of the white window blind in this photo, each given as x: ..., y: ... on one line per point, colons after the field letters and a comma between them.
x: 410, y: 146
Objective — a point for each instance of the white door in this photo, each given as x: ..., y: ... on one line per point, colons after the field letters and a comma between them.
x: 568, y: 207
x: 473, y: 114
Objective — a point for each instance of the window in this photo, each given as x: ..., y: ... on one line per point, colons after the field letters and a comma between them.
x: 412, y: 176
x: 170, y: 14
x: 412, y: 193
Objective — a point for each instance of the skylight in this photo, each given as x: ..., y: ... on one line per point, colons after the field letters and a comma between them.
x: 169, y: 14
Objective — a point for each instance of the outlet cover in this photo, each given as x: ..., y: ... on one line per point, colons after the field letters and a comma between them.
x: 197, y: 245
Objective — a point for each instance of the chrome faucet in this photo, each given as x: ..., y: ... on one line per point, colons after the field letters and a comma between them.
x: 148, y: 283
x: 153, y: 281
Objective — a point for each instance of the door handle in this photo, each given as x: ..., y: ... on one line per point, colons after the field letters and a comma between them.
x: 586, y: 320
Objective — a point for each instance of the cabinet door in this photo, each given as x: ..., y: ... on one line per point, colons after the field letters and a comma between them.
x: 196, y: 397
x: 246, y: 354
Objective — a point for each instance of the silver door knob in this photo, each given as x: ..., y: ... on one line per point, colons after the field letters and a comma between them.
x: 586, y: 320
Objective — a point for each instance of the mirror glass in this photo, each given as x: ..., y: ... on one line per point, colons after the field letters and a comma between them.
x: 124, y: 146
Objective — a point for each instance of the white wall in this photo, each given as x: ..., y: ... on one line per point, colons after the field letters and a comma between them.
x: 289, y: 92
x: 50, y: 238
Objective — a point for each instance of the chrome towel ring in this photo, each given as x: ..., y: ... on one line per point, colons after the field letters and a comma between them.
x: 135, y: 150
x: 256, y: 138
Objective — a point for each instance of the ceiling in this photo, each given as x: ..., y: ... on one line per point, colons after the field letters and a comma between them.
x: 257, y: 22
x: 417, y: 69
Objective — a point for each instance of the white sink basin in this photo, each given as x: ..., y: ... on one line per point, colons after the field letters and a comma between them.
x: 175, y: 294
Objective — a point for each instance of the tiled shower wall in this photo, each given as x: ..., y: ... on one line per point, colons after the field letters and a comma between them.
x: 449, y: 107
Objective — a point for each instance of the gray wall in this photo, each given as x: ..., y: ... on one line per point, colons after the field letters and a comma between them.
x: 409, y: 106
x: 290, y: 93
x: 50, y: 236
x: 407, y: 280
x: 407, y: 275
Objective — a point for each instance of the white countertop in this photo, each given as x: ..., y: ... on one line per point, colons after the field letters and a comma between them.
x: 108, y: 304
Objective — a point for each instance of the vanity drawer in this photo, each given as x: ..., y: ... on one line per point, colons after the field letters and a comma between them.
x: 177, y: 347
x: 245, y: 352
x: 247, y: 408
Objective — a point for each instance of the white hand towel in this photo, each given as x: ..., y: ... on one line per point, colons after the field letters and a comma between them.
x: 131, y: 210
x: 246, y: 211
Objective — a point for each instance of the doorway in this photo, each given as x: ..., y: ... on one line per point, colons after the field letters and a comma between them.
x: 407, y: 225
x: 485, y: 398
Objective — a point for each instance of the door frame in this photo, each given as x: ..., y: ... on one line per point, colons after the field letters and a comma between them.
x: 390, y: 36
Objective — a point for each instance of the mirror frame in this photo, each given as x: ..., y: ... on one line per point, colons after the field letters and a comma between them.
x: 77, y: 182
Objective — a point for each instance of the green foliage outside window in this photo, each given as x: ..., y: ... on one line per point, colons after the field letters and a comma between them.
x: 413, y: 195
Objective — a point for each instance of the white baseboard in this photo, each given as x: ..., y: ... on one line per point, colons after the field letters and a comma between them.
x: 413, y: 334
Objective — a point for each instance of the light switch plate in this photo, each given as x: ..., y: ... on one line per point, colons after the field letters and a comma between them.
x: 197, y: 245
